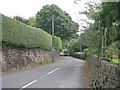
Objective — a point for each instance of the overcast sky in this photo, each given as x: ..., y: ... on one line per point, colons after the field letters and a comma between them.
x: 28, y: 8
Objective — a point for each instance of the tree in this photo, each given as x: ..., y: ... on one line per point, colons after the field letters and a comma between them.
x: 65, y: 27
x: 108, y: 14
x: 31, y: 21
x: 103, y: 31
x: 21, y: 19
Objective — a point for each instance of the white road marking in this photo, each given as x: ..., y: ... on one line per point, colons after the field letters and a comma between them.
x: 40, y: 78
x: 29, y: 84
x: 53, y: 70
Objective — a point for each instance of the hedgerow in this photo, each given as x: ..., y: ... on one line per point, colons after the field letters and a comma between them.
x: 58, y: 43
x: 17, y: 34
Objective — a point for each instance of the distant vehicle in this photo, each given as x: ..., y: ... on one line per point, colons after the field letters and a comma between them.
x: 61, y: 53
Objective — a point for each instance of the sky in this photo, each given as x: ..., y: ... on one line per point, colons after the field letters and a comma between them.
x: 28, y: 8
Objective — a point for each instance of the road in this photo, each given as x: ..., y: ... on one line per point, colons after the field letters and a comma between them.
x: 66, y: 73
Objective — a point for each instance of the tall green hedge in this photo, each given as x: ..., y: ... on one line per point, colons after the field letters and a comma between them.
x: 58, y: 43
x: 0, y: 29
x: 18, y: 34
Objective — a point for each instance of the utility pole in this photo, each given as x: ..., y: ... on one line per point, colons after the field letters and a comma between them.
x: 52, y: 38
x: 80, y: 44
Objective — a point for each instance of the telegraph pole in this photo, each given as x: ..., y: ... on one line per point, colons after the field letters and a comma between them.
x: 80, y: 44
x: 52, y: 38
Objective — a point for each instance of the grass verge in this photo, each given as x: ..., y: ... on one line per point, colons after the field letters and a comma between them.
x: 50, y: 61
x: 116, y: 61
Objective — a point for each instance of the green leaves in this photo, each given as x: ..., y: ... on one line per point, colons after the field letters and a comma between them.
x: 64, y: 26
x: 18, y: 34
x: 104, y: 15
x: 58, y: 43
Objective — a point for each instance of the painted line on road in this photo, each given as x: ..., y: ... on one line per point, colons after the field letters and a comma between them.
x: 40, y: 78
x: 28, y: 84
x: 53, y: 70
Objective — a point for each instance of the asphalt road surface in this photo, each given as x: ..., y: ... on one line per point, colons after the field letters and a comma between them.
x: 66, y: 73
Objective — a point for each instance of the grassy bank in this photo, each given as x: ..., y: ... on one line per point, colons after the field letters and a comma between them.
x: 50, y: 61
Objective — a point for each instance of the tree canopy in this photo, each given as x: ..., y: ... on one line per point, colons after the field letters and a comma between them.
x: 65, y: 27
x: 21, y: 19
x: 105, y: 28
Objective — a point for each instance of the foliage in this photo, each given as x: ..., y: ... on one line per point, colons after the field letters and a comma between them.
x: 0, y: 30
x: 31, y: 21
x: 116, y: 61
x: 21, y: 19
x: 57, y: 59
x: 70, y: 44
x: 112, y: 50
x: 88, y: 51
x: 65, y: 43
x: 58, y: 43
x: 76, y: 46
x: 104, y: 15
x: 66, y: 52
x: 65, y: 27
x: 17, y: 34
x: 108, y: 15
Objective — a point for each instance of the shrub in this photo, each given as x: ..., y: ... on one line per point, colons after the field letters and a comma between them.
x: 66, y: 52
x: 18, y: 34
x: 112, y: 50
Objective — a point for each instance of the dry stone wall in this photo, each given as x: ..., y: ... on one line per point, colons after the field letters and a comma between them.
x: 103, y: 74
x: 18, y: 58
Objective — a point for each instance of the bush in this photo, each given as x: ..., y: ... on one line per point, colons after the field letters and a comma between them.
x: 112, y: 50
x: 66, y: 52
x: 79, y: 55
x: 18, y: 34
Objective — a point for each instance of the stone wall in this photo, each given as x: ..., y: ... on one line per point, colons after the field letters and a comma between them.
x: 19, y: 58
x: 103, y: 74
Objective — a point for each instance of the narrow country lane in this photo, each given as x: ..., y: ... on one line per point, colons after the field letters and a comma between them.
x: 66, y: 73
